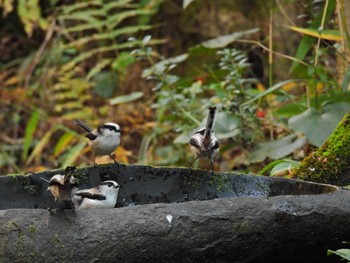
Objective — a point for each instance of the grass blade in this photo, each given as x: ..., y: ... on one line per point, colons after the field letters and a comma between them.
x: 30, y: 129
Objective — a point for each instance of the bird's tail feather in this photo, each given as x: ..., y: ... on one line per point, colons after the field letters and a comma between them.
x: 83, y: 125
x: 210, y: 120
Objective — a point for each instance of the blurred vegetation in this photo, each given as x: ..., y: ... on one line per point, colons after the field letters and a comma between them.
x: 278, y: 71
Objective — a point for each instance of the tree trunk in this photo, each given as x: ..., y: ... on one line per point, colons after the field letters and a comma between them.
x: 331, y: 162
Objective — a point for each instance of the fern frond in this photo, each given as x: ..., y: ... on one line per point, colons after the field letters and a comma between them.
x: 114, y: 20
x: 83, y: 56
x: 117, y: 4
x: 67, y: 9
x: 81, y: 17
x: 128, y: 30
x: 98, y: 67
x: 83, y: 27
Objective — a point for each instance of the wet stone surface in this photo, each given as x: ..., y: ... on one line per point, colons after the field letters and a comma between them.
x: 147, y: 184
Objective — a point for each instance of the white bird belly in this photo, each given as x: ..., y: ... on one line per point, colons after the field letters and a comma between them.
x: 105, y: 146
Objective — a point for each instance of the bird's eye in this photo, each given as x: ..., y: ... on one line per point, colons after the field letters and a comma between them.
x: 110, y: 127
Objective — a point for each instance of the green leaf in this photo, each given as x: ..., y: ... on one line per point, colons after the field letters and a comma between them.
x: 318, y: 126
x: 40, y: 145
x: 162, y: 65
x: 346, y: 80
x: 226, y: 125
x: 279, y: 166
x: 291, y: 109
x: 277, y: 149
x: 270, y: 90
x: 62, y: 143
x: 323, y: 34
x: 72, y: 154
x: 29, y: 12
x: 7, y: 7
x: 223, y: 41
x: 282, y: 167
x: 186, y: 3
x: 270, y: 166
x: 105, y: 83
x: 29, y: 132
x: 343, y: 253
x: 123, y: 60
x: 304, y: 47
x: 307, y: 42
x: 126, y: 98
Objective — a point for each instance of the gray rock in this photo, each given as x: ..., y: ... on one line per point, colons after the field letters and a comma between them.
x: 176, y: 215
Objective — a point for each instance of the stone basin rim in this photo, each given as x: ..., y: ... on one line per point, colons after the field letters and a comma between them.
x: 154, y: 181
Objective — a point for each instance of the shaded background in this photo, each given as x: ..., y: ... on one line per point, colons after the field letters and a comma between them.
x: 62, y: 60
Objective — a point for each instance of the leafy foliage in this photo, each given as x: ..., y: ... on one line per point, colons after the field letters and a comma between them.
x: 107, y: 35
x: 85, y: 52
x: 344, y: 253
x: 79, y: 53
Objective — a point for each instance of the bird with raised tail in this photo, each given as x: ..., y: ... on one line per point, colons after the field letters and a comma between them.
x: 203, y: 143
x: 103, y: 196
x: 63, y: 186
x: 104, y: 140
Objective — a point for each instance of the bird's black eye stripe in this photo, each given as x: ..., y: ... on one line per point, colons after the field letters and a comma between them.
x: 110, y: 127
x: 201, y: 131
x: 109, y: 184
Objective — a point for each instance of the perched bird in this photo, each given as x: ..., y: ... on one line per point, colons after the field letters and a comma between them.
x: 203, y: 142
x: 104, y: 140
x: 100, y: 197
x: 63, y: 186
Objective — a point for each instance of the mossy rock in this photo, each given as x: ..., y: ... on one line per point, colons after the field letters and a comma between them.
x: 331, y: 162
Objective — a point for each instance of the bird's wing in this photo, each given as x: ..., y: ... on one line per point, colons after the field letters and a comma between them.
x: 91, y: 195
x: 91, y: 136
x: 194, y: 142
x: 56, y: 180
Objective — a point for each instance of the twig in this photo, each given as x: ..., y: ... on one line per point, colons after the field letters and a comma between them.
x: 39, y: 54
x: 274, y: 52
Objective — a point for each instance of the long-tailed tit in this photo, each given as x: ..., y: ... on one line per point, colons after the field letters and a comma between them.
x: 203, y: 142
x: 104, y: 140
x: 63, y: 186
x: 101, y: 197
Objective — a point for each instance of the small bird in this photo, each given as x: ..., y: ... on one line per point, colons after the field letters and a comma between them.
x: 101, y: 197
x: 104, y: 140
x: 203, y: 142
x: 63, y: 186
